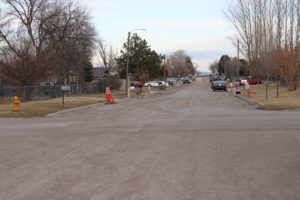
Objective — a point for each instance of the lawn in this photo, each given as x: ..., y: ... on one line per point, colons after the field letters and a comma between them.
x: 286, y: 99
x: 41, y: 108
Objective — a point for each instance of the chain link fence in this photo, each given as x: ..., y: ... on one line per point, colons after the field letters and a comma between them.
x: 99, y: 86
x: 28, y: 93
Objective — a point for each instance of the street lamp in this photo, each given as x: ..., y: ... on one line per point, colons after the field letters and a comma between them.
x: 2, y: 93
x: 128, y: 58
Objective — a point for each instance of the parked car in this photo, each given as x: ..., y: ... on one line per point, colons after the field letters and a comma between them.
x: 167, y: 84
x: 220, y: 85
x: 250, y: 80
x: 213, y: 82
x: 186, y: 81
x: 171, y: 83
x: 154, y: 84
x: 46, y: 83
x: 139, y: 84
x: 134, y: 84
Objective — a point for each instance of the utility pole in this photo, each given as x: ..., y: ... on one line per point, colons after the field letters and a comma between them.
x: 165, y: 73
x: 191, y: 66
x: 126, y: 92
x: 238, y: 55
x: 221, y: 64
x: 222, y: 69
x: 1, y: 88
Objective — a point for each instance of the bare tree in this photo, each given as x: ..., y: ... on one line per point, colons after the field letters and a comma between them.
x: 263, y: 27
x: 213, y: 67
x: 107, y: 54
x: 178, y: 61
x: 49, y: 27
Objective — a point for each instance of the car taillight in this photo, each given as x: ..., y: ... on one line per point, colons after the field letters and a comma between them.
x: 215, y: 84
x: 224, y: 84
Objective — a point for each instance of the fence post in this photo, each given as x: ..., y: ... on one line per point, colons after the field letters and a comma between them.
x: 33, y: 92
x: 267, y: 92
x: 277, y: 92
x: 24, y: 94
x: 97, y: 88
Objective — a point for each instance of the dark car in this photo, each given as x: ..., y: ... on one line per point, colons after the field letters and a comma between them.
x: 134, y: 84
x: 186, y: 81
x: 213, y: 82
x: 220, y: 85
x: 139, y: 84
x: 170, y: 83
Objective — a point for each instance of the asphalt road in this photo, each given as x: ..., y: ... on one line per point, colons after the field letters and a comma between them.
x: 188, y: 143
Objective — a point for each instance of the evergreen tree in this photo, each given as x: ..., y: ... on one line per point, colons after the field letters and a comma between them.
x: 122, y: 74
x: 221, y: 63
x: 143, y: 62
x: 88, y: 70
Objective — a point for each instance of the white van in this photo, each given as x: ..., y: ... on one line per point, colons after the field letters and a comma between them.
x: 46, y: 83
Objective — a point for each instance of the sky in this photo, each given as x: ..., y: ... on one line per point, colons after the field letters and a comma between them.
x: 197, y: 26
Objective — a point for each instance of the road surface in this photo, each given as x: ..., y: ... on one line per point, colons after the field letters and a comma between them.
x: 188, y: 143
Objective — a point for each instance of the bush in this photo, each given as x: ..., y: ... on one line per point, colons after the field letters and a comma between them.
x: 112, y: 81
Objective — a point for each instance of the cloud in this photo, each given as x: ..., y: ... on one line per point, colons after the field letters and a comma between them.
x: 203, y: 50
x: 99, y: 3
x: 209, y: 23
x: 202, y: 44
x: 208, y: 54
x: 97, y: 12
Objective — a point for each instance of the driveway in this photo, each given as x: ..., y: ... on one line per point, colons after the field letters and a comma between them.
x: 187, y: 143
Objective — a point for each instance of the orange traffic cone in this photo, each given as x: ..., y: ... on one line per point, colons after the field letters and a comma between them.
x: 109, y: 96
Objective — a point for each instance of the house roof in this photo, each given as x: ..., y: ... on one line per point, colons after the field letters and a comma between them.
x: 114, y: 73
x: 97, y: 71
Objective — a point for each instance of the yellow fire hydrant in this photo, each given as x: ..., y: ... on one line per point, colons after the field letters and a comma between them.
x: 16, y: 103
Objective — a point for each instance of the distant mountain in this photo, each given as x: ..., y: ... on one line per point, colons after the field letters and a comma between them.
x: 205, y: 73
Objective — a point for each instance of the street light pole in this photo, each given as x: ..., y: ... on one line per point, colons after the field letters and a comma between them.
x: 165, y: 73
x: 126, y: 92
x: 127, y: 63
x: 238, y: 55
x: 1, y: 87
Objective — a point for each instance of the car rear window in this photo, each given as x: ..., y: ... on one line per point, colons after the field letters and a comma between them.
x: 219, y: 82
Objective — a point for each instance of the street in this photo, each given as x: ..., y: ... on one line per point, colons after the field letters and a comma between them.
x: 185, y: 143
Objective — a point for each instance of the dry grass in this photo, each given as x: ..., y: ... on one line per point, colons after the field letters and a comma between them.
x: 41, y: 108
x: 286, y: 100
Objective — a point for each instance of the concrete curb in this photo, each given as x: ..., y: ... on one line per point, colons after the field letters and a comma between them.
x: 82, y: 107
x: 250, y: 104
x: 161, y: 92
x: 98, y: 104
x: 150, y: 95
x: 74, y: 109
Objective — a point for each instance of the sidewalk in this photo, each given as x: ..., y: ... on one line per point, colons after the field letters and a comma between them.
x: 250, y: 104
